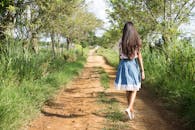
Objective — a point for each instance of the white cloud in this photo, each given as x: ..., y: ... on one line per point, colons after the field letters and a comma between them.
x: 98, y: 7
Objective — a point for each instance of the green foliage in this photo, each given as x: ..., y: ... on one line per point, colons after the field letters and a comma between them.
x: 109, y: 38
x: 21, y: 102
x: 173, y: 78
x: 151, y: 17
x: 28, y: 80
x: 62, y: 19
x: 183, y: 57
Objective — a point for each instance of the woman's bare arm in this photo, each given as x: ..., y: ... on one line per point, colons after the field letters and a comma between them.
x: 141, y: 65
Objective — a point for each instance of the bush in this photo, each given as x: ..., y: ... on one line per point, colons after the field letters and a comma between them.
x: 172, y: 76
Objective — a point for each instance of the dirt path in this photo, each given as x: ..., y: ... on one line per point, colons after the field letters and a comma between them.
x: 75, y: 107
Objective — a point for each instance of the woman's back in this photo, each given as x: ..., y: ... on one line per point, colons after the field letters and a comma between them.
x: 124, y: 56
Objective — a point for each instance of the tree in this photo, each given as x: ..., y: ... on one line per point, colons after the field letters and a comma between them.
x: 152, y: 16
x: 55, y: 18
x: 80, y: 24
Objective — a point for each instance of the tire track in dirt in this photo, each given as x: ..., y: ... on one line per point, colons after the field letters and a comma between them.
x: 75, y: 107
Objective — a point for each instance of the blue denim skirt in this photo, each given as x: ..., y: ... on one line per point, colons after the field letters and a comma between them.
x: 128, y: 75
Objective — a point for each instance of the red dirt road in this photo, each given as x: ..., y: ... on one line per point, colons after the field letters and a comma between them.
x: 75, y: 107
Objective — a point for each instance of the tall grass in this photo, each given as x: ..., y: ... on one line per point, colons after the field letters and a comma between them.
x: 172, y: 76
x: 170, y: 73
x: 27, y: 80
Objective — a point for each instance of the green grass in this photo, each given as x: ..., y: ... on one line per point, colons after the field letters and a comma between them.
x: 20, y: 103
x: 102, y: 98
x: 27, y: 81
x: 115, y: 117
x: 173, y: 81
x: 104, y: 78
x: 115, y: 114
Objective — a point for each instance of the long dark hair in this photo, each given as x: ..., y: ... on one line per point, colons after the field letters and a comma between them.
x: 130, y: 40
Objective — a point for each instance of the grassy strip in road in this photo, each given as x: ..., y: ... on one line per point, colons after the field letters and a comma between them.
x: 116, y: 119
x: 104, y: 78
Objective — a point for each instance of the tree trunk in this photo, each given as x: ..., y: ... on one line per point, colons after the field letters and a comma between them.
x: 53, y: 44
x: 62, y: 49
x: 2, y: 35
x: 34, y: 43
x: 68, y: 44
x: 58, y: 39
x: 82, y: 51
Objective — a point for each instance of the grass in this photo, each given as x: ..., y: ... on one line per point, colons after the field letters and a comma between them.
x: 27, y: 81
x: 115, y: 117
x: 115, y: 114
x: 102, y: 98
x: 20, y: 103
x: 104, y: 78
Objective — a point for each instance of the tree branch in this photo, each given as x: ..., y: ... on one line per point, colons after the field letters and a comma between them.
x: 181, y: 9
x: 150, y: 12
x: 187, y: 14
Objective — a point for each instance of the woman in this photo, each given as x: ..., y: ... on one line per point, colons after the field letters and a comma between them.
x: 130, y: 69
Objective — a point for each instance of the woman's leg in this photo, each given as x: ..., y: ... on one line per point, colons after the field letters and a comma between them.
x: 132, y: 100
x: 128, y: 94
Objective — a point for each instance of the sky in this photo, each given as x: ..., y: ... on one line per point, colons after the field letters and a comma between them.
x: 189, y: 27
x: 98, y: 7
